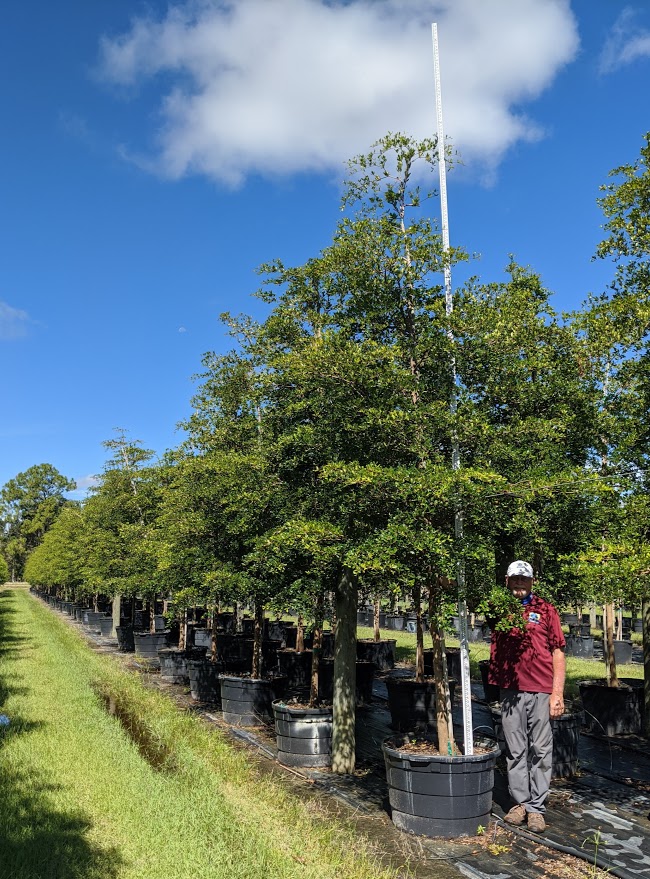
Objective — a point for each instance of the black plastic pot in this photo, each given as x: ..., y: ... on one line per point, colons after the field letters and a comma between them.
x: 612, y: 711
x: 395, y: 622
x: 365, y: 673
x: 570, y: 619
x: 147, y: 645
x: 491, y: 692
x: 202, y: 638
x: 173, y: 665
x: 365, y: 618
x: 580, y: 629
x: 125, y: 640
x: 249, y: 701
x: 579, y: 645
x: 276, y: 629
x: 434, y: 795
x: 91, y: 619
x: 566, y: 739
x: 304, y: 735
x: 623, y: 652
x: 296, y: 668
x: 453, y: 662
x: 380, y: 653
x: 204, y: 680
x: 412, y: 705
x: 106, y: 626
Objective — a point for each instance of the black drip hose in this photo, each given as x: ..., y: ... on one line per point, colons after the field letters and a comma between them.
x: 593, y: 861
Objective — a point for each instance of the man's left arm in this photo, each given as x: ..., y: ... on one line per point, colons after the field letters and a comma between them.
x: 556, y: 702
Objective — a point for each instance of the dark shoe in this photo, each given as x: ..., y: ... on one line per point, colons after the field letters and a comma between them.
x: 516, y: 816
x: 536, y: 823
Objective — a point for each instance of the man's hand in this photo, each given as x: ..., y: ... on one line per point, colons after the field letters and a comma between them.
x: 556, y: 704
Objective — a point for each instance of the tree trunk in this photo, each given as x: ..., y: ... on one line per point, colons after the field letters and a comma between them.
x: 117, y: 613
x: 619, y: 624
x: 213, y: 636
x: 608, y: 646
x: 444, y: 722
x: 375, y: 620
x: 592, y: 615
x: 345, y: 659
x: 182, y: 635
x: 316, y: 650
x: 645, y: 616
x: 152, y: 616
x: 257, y: 642
x: 300, y: 635
x: 419, y: 637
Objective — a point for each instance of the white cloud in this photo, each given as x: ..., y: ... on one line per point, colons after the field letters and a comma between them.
x: 284, y: 86
x: 627, y: 42
x: 13, y: 322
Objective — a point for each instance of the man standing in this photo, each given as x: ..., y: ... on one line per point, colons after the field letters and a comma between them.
x: 528, y: 664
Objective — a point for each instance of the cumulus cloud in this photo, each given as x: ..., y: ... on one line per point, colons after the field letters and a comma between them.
x: 627, y: 42
x: 285, y: 86
x: 13, y: 322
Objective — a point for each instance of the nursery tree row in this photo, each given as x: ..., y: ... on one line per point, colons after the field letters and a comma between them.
x: 318, y: 457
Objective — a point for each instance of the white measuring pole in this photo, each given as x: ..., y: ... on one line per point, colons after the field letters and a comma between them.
x: 455, y: 450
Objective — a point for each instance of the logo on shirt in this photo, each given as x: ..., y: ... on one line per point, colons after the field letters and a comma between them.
x: 534, y: 618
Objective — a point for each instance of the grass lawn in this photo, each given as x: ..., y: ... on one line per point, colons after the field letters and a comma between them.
x: 80, y: 798
x: 576, y: 669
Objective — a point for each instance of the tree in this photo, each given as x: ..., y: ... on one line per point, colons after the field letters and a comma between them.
x: 626, y: 307
x: 31, y: 502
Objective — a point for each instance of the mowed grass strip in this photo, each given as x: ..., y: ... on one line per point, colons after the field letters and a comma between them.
x: 82, y: 799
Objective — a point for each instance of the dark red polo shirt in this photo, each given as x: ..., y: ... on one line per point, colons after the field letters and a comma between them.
x: 522, y: 659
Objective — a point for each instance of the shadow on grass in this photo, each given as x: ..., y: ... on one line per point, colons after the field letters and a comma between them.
x: 37, y: 839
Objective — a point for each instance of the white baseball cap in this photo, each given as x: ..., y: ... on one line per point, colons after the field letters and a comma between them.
x: 520, y: 569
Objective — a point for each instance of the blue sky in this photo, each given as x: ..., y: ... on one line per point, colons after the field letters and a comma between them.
x: 152, y: 155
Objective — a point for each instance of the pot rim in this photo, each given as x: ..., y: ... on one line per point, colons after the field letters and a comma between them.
x: 319, y: 710
x: 411, y: 757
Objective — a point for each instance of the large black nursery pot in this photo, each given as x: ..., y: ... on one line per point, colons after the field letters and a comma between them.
x: 91, y: 619
x: 147, y: 645
x: 491, y: 692
x: 249, y: 701
x: 365, y: 674
x: 380, y: 653
x: 580, y: 645
x: 612, y: 711
x: 566, y: 740
x: 203, y: 676
x: 412, y: 705
x: 623, y: 652
x: 125, y: 639
x: 296, y: 668
x: 435, y: 795
x: 173, y: 663
x: 304, y: 735
x: 106, y: 626
x: 453, y: 662
x: 582, y: 629
x: 395, y: 622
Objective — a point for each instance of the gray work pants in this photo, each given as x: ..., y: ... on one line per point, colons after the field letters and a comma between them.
x: 529, y: 754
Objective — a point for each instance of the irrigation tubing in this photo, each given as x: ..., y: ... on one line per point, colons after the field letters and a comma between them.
x: 593, y: 861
